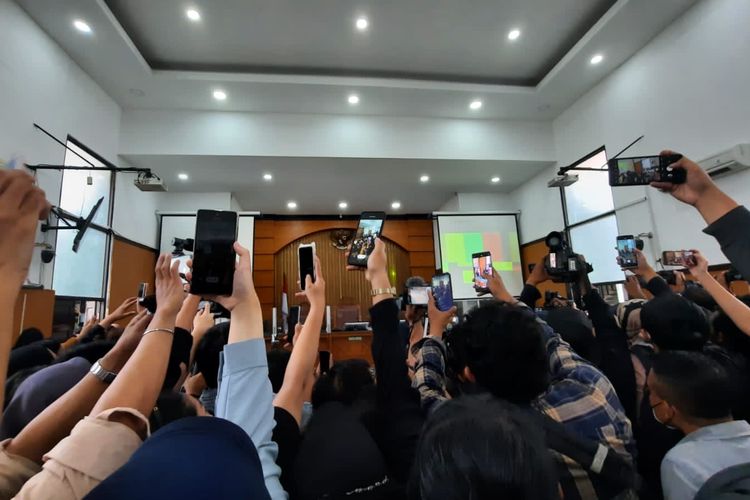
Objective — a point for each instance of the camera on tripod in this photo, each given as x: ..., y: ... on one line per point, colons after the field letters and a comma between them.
x: 562, y: 264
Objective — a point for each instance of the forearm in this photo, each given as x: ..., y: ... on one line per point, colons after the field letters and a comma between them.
x: 187, y: 313
x: 598, y: 311
x: 503, y: 295
x: 246, y: 321
x: 530, y: 294
x: 138, y: 384
x: 7, y: 303
x: 733, y: 307
x: 381, y: 281
x: 714, y: 204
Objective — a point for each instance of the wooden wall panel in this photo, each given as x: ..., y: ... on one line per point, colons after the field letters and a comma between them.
x: 532, y: 253
x: 413, y: 236
x: 34, y: 308
x: 132, y: 264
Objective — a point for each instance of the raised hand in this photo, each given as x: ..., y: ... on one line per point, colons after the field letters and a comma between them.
x: 121, y: 312
x: 701, y: 264
x: 203, y: 320
x: 696, y: 185
x: 496, y: 286
x: 169, y: 291
x: 439, y: 320
x: 315, y: 293
x: 243, y: 289
x: 538, y: 274
x: 377, y: 263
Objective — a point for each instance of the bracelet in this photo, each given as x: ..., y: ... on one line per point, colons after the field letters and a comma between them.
x: 167, y: 330
x: 383, y: 291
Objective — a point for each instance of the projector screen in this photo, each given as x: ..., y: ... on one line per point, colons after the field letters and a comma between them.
x: 462, y: 235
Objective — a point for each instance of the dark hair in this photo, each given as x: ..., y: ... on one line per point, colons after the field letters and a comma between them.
x: 91, y: 351
x: 504, y: 348
x: 696, y: 384
x: 481, y: 448
x: 675, y: 323
x: 728, y: 333
x: 344, y: 382
x: 208, y: 352
x: 278, y: 359
x: 576, y: 329
x: 182, y: 343
x: 695, y: 293
x: 170, y: 406
x: 28, y: 336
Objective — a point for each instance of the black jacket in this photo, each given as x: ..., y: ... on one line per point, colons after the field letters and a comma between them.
x: 732, y: 231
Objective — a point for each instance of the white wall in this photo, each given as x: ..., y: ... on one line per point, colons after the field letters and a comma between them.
x: 40, y: 83
x: 687, y: 90
x: 541, y: 211
x: 190, y: 202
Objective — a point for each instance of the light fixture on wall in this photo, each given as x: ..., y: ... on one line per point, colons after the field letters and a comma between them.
x: 343, y: 205
x: 396, y: 205
x: 291, y: 205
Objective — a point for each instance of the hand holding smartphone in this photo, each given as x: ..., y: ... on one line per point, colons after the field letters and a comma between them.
x: 213, y: 253
x: 442, y: 291
x: 626, y: 251
x: 306, y: 261
x: 684, y: 258
x: 369, y: 229
x: 482, y: 262
x: 643, y: 170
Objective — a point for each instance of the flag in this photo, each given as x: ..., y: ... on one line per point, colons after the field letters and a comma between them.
x: 284, y: 307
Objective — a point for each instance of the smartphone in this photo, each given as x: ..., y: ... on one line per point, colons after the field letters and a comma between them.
x: 482, y: 262
x: 306, y: 261
x: 325, y: 361
x: 370, y: 227
x: 418, y: 295
x: 213, y: 253
x: 626, y: 251
x: 442, y: 291
x: 683, y: 258
x: 643, y: 170
x: 142, y: 291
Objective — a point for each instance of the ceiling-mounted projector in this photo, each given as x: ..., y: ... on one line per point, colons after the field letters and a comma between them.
x: 146, y: 181
x: 564, y: 180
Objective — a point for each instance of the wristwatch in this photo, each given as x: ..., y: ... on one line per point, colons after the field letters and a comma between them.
x: 383, y: 291
x: 99, y: 372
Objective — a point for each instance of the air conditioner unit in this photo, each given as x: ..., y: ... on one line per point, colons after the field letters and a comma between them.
x: 728, y: 162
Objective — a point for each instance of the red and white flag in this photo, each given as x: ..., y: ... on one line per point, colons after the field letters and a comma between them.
x: 284, y: 307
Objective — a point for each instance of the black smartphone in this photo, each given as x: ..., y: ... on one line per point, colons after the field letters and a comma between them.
x: 213, y: 253
x: 370, y: 227
x: 626, y: 251
x: 683, y: 258
x: 643, y: 170
x: 142, y: 291
x: 482, y: 262
x: 306, y: 263
x: 442, y: 291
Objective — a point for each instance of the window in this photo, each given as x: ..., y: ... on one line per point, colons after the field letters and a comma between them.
x: 591, y: 196
x: 83, y: 273
x: 596, y: 241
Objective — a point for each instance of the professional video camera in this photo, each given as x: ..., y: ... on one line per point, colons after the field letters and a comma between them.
x: 182, y: 244
x: 415, y: 293
x: 562, y: 264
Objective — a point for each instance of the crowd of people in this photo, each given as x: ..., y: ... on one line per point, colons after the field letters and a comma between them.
x: 645, y: 399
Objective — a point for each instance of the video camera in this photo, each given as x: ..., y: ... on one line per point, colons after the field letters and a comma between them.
x: 415, y: 293
x: 182, y: 244
x: 562, y: 264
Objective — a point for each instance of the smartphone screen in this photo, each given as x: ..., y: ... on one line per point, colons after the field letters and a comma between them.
x: 142, y: 291
x: 442, y: 291
x: 418, y: 295
x: 626, y: 251
x: 482, y: 263
x: 683, y: 258
x: 306, y: 256
x: 213, y: 252
x: 643, y: 170
x: 369, y: 229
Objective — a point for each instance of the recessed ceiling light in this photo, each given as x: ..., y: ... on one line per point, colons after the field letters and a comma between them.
x: 362, y: 23
x: 82, y: 26
x: 424, y: 178
x: 475, y: 104
x: 291, y: 205
x: 597, y: 59
x: 495, y: 179
x: 353, y: 99
x: 343, y: 205
x: 220, y: 95
x: 396, y: 205
x: 267, y: 177
x: 514, y: 34
x: 193, y: 15
x: 183, y: 176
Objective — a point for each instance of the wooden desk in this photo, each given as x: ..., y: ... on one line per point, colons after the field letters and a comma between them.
x: 345, y: 345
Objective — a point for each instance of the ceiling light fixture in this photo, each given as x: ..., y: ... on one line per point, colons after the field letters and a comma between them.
x: 82, y: 26
x: 424, y: 178
x: 353, y: 99
x: 475, y: 104
x: 597, y: 59
x: 495, y: 179
x: 514, y: 34
x: 267, y: 177
x: 220, y: 95
x: 343, y: 205
x: 396, y: 205
x: 183, y: 176
x: 291, y: 205
x: 362, y: 23
x: 193, y: 15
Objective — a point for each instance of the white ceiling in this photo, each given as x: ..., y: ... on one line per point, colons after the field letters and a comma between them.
x: 419, y: 58
x: 318, y: 184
